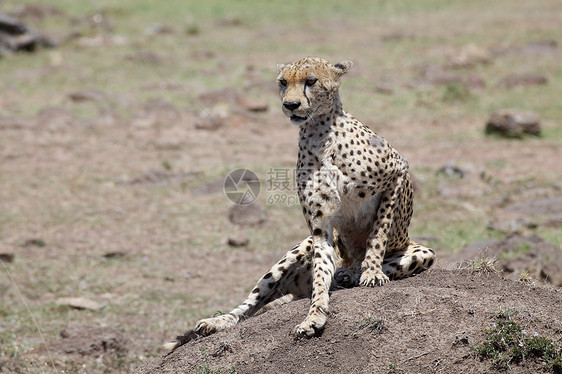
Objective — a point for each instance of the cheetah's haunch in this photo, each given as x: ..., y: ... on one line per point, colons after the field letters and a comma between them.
x: 357, y: 199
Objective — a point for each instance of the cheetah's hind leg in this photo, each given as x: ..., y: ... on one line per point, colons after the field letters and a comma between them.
x: 290, y: 278
x: 413, y: 260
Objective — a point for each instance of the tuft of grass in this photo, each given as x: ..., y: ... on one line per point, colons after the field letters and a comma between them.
x: 192, y: 29
x: 508, y: 343
x: 205, y: 369
x: 372, y: 324
x: 484, y: 265
x: 456, y: 92
x: 393, y: 369
x: 167, y: 165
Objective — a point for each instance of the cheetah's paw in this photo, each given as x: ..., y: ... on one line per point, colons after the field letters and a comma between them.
x: 371, y: 279
x: 209, y: 326
x: 310, y: 327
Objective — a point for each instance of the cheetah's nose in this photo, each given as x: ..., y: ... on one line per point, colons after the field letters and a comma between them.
x: 291, y: 105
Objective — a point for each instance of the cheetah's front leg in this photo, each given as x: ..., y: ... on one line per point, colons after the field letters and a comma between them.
x: 323, y: 271
x: 372, y: 273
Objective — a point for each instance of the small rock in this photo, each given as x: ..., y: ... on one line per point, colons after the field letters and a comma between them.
x: 253, y: 105
x: 16, y: 36
x: 384, y: 89
x: 114, y: 254
x: 212, y: 119
x: 398, y: 36
x: 238, y: 239
x: 146, y: 57
x: 469, y: 56
x: 451, y: 170
x: 7, y: 257
x: 11, y: 25
x: 158, y: 28
x: 513, y: 123
x: 35, y: 242
x: 525, y: 79
x: 87, y: 95
x: 247, y: 215
x: 79, y: 303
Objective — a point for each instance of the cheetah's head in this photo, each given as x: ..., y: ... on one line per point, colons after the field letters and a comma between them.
x: 308, y: 87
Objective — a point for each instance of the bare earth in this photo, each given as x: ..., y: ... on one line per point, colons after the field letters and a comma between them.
x: 431, y: 322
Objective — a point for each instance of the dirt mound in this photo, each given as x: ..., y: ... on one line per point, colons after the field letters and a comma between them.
x: 428, y: 323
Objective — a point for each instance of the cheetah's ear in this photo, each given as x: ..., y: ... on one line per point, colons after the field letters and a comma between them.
x: 342, y: 67
x: 280, y: 67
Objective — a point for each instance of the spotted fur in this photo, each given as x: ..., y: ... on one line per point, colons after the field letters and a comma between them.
x: 356, y: 196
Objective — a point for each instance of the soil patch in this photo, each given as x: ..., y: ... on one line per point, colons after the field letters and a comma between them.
x: 87, y: 340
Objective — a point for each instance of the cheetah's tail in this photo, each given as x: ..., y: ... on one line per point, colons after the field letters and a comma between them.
x: 181, y: 340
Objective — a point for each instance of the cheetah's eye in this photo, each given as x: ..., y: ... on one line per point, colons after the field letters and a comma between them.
x: 310, y: 82
x: 283, y: 82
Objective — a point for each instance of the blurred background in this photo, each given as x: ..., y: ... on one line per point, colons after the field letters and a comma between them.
x: 119, y: 122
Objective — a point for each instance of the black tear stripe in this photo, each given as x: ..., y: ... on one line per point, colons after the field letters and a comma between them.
x: 304, y: 93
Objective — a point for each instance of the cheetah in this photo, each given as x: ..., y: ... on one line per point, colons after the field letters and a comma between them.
x: 357, y: 199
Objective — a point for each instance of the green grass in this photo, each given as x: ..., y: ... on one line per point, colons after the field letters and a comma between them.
x: 394, y: 369
x: 372, y: 324
x: 507, y: 343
